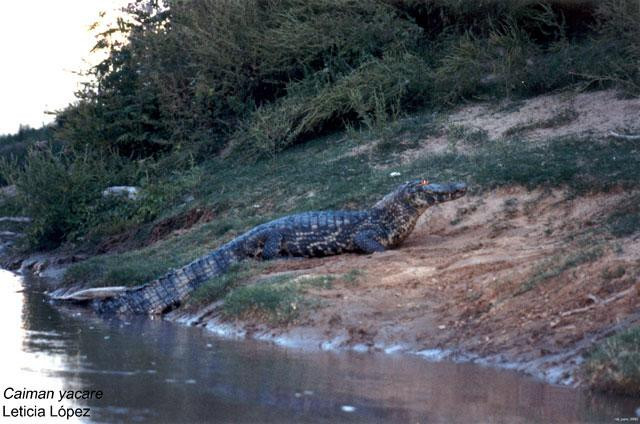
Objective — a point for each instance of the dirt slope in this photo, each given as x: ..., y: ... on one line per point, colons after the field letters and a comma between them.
x: 511, y: 277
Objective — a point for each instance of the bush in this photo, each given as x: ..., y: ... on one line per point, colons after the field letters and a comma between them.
x: 192, y: 72
x: 61, y: 192
x: 373, y: 90
x: 15, y: 146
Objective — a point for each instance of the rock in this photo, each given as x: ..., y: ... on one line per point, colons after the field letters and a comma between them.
x: 9, y: 191
x: 39, y: 266
x: 10, y: 235
x: 24, y: 219
x: 395, y: 174
x: 132, y: 193
x: 489, y: 79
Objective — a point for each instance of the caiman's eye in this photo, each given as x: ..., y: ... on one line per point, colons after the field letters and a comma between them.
x: 423, y: 182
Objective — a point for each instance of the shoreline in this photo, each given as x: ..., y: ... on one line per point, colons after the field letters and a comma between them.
x: 557, y: 369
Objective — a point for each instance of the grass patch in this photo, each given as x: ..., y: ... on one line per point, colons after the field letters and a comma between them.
x: 216, y: 287
x: 277, y: 299
x: 614, y: 364
x: 139, y: 266
x: 354, y: 276
x: 316, y: 281
x: 556, y: 266
x: 322, y: 174
x: 625, y: 220
x: 585, y: 165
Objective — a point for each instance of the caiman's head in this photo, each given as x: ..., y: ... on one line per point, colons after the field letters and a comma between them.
x: 421, y: 194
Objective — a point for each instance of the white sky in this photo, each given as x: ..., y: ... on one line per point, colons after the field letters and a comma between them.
x: 41, y: 43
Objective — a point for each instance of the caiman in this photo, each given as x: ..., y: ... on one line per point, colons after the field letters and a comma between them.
x: 309, y: 234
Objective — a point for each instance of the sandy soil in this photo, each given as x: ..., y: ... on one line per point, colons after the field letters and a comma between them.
x: 464, y: 285
x: 594, y: 114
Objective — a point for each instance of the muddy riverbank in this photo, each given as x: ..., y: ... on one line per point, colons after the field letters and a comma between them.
x: 510, y: 278
x: 198, y: 377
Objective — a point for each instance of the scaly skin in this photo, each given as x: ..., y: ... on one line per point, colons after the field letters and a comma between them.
x: 309, y: 234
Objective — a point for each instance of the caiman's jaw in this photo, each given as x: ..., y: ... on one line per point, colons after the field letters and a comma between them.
x: 425, y: 194
x: 445, y: 192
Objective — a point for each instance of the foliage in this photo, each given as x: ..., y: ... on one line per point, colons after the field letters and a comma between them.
x: 15, y: 146
x: 26, y: 134
x: 369, y: 93
x: 62, y: 193
x: 192, y: 76
x: 614, y: 365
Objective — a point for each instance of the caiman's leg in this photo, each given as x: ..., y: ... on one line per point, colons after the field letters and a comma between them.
x: 367, y: 243
x: 272, y: 245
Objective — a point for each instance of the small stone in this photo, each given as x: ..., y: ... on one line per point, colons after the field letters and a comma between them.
x: 395, y: 174
x: 9, y: 191
x: 129, y: 192
x: 348, y: 408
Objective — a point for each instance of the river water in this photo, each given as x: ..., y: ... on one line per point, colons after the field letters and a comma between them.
x: 155, y: 371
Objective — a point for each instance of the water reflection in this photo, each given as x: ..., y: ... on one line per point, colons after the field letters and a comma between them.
x: 150, y: 370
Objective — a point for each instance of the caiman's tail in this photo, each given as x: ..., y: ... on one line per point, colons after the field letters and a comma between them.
x: 160, y: 295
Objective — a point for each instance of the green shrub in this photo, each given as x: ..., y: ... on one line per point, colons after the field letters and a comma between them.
x: 62, y: 193
x: 369, y: 93
x: 15, y: 146
x: 191, y: 74
x: 55, y: 191
x: 618, y: 29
